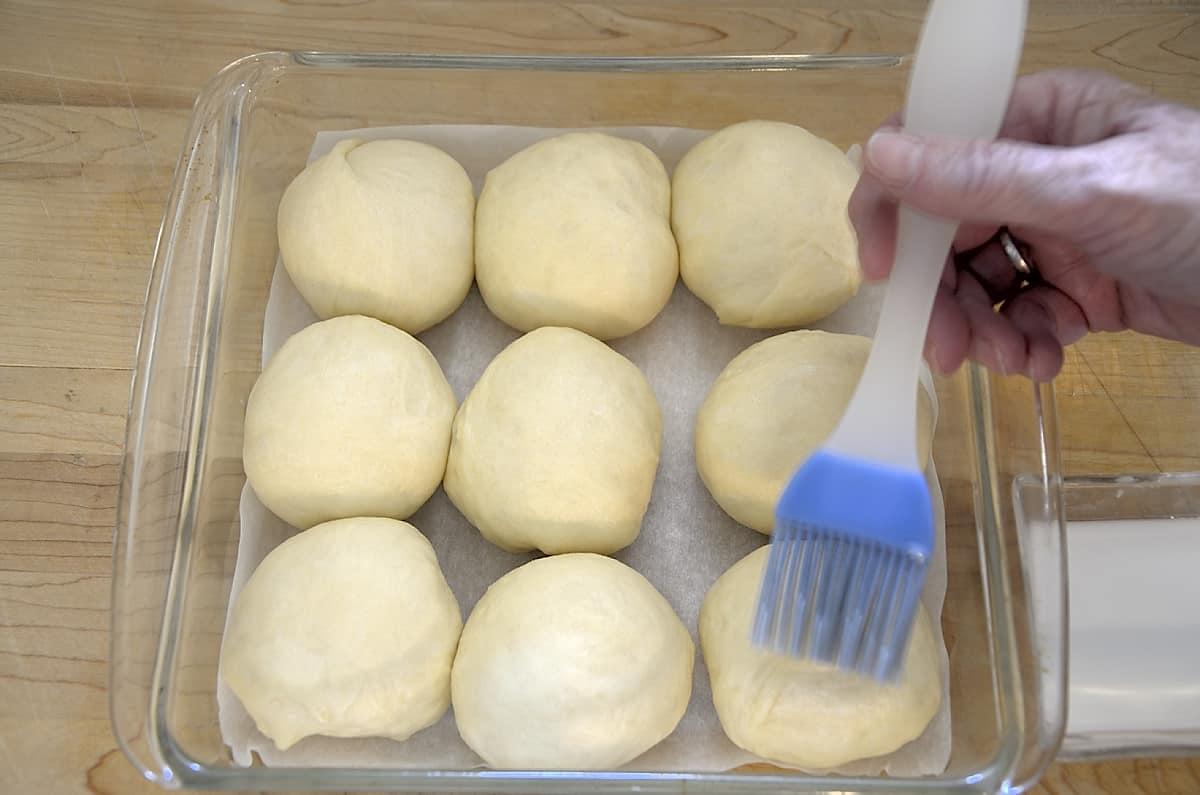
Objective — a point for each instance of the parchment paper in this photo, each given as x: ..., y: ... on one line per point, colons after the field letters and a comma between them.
x: 686, y: 542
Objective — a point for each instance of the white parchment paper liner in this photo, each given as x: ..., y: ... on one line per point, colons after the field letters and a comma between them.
x: 686, y: 542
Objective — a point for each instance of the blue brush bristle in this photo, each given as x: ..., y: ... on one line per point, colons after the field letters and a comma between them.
x: 848, y: 558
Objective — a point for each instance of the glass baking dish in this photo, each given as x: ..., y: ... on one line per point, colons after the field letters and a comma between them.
x: 1135, y: 633
x: 200, y: 349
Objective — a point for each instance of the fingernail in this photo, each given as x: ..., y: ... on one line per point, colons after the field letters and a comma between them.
x: 891, y: 156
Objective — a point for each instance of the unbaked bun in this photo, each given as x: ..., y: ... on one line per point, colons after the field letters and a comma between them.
x: 800, y: 712
x: 574, y: 231
x: 570, y: 662
x: 770, y: 408
x: 351, y: 417
x: 348, y: 630
x: 759, y: 212
x: 383, y: 229
x: 557, y: 446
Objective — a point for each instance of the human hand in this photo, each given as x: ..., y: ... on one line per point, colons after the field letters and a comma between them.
x: 1098, y: 179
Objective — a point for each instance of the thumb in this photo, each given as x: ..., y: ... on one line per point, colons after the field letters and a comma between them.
x: 994, y: 182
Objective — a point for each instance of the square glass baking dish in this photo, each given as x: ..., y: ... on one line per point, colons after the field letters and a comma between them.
x: 199, y: 354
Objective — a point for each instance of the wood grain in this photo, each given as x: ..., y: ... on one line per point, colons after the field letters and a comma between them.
x: 94, y: 99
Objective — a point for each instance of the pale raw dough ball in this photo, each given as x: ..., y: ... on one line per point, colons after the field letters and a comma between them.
x: 348, y: 630
x: 383, y: 229
x: 574, y: 231
x: 770, y: 408
x: 351, y: 417
x: 557, y: 446
x: 570, y: 662
x: 806, y: 713
x: 759, y: 212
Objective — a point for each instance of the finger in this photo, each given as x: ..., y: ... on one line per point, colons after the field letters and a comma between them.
x: 1058, y: 112
x: 1042, y: 314
x: 949, y: 335
x: 1095, y: 296
x: 874, y: 219
x: 994, y: 271
x: 1048, y: 306
x: 1069, y: 107
x: 971, y: 236
x: 1160, y: 317
x: 985, y: 182
x: 1072, y: 107
x: 995, y: 342
x: 873, y: 215
x: 1043, y: 355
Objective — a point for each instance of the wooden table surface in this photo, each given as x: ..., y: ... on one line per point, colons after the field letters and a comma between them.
x: 94, y: 98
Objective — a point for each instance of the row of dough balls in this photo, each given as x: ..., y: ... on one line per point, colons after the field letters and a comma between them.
x: 349, y: 629
x: 555, y: 448
x: 583, y: 230
x: 568, y: 662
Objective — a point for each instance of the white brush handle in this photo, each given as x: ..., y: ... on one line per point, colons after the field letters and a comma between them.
x: 961, y: 79
x: 873, y: 426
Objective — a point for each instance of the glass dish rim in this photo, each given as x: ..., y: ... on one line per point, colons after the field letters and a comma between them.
x: 751, y: 62
x: 229, y: 92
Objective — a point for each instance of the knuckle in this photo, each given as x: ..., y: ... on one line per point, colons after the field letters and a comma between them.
x: 979, y: 171
x: 967, y: 177
x: 1100, y: 190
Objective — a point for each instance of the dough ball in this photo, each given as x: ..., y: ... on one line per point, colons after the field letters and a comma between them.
x: 759, y: 211
x: 557, y: 446
x: 383, y: 229
x: 574, y: 231
x: 770, y: 408
x: 346, y: 630
x: 351, y: 417
x: 800, y: 712
x: 570, y: 662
